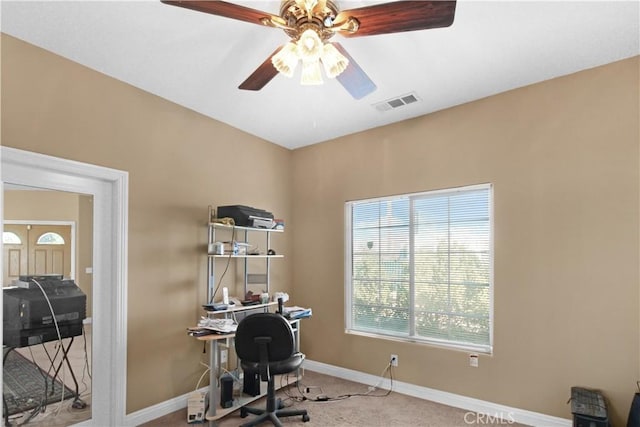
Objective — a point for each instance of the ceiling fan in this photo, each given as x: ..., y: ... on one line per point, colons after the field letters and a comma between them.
x: 311, y: 23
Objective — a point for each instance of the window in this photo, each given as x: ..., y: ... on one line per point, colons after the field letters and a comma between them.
x: 10, y: 238
x: 50, y: 238
x: 419, y: 267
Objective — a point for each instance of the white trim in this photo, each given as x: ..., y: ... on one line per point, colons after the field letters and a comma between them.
x: 492, y: 265
x: 159, y: 410
x: 109, y: 188
x: 348, y: 273
x: 467, y: 403
x: 458, y: 401
x: 459, y: 189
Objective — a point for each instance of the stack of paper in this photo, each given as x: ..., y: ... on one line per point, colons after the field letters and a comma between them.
x: 218, y: 325
x: 296, y: 312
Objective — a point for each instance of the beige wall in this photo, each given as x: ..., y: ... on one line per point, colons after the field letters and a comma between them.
x: 563, y: 159
x: 84, y: 256
x: 179, y: 162
x: 29, y: 205
x: 562, y: 155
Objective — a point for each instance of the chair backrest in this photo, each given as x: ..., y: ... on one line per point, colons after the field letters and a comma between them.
x: 263, y: 327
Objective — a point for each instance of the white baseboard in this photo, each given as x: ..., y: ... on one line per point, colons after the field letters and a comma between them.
x: 494, y: 410
x: 159, y: 410
x: 508, y: 414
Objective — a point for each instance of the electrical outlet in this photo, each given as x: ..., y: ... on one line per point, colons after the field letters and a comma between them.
x: 473, y: 360
x: 223, y: 356
x: 394, y: 360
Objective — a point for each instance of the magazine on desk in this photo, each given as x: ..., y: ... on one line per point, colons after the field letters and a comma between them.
x: 208, y: 326
x: 223, y: 326
x: 296, y: 312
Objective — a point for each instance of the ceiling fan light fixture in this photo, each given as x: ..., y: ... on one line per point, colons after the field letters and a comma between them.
x: 311, y: 23
x: 311, y: 7
x: 351, y: 25
x: 307, y: 5
x: 333, y: 61
x: 286, y: 60
x: 311, y: 51
x: 309, y: 46
x: 311, y: 74
x: 275, y: 22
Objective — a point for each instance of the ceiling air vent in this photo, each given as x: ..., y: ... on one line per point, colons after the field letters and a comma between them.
x: 398, y: 102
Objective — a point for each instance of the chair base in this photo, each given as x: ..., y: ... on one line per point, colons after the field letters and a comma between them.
x: 264, y: 415
x: 273, y: 411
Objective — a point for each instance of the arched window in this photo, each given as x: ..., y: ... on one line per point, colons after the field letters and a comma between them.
x: 10, y: 238
x: 50, y: 238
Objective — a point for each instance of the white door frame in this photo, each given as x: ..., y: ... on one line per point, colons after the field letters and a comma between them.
x: 109, y: 188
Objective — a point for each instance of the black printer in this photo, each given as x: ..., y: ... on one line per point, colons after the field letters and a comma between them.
x: 28, y: 317
x: 246, y: 216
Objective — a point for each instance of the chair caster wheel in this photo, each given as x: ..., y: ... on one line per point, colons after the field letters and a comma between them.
x: 305, y: 418
x: 243, y: 413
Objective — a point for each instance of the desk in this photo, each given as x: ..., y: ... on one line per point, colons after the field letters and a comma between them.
x: 215, y: 412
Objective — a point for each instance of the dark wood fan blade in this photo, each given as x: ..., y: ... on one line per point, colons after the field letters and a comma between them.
x: 353, y: 78
x: 262, y: 75
x: 223, y: 8
x: 399, y: 16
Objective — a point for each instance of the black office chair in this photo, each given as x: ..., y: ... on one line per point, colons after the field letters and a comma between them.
x: 265, y: 345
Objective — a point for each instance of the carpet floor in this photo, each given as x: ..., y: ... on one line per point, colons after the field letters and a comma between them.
x: 374, y: 409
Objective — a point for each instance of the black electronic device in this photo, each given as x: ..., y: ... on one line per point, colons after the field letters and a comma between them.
x: 27, y: 316
x: 243, y: 215
x: 43, y: 279
x: 216, y: 306
x: 226, y: 391
x: 588, y: 407
x: 251, y: 384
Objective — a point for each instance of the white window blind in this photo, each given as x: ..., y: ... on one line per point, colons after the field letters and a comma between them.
x: 419, y: 267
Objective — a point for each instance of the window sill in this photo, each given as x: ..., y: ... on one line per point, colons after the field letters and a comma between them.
x: 482, y: 349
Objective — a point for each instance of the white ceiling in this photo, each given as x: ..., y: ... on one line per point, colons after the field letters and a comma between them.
x: 198, y: 60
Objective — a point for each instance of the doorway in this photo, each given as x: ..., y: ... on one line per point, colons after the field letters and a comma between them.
x: 55, y: 244
x: 108, y: 189
x: 34, y: 248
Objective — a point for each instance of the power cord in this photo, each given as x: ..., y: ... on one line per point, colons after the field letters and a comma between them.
x: 322, y: 397
x: 389, y: 369
x: 86, y: 369
x: 60, y: 344
x: 290, y: 396
x: 206, y: 371
x: 43, y: 403
x: 233, y: 239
